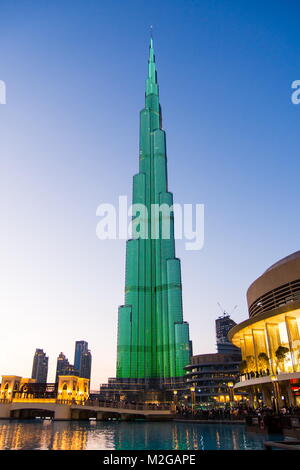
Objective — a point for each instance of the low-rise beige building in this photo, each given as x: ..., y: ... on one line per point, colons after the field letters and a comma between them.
x: 72, y: 388
x: 11, y: 384
x: 69, y: 389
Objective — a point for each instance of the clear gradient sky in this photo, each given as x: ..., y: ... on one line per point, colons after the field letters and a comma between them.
x: 75, y: 74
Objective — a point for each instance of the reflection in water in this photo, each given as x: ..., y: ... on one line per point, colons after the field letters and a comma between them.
x: 80, y: 435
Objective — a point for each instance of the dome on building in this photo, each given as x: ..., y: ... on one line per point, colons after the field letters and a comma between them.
x: 277, y: 287
x: 284, y: 260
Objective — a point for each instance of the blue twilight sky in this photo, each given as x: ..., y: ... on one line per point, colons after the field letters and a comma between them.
x: 75, y: 74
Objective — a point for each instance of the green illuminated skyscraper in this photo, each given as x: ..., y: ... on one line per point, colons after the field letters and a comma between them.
x: 153, y: 339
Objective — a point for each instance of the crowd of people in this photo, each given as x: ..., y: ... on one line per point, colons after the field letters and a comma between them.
x: 266, y: 410
x: 211, y: 413
x: 234, y: 413
x: 239, y: 412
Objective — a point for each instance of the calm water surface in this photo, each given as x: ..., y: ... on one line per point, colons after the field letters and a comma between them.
x: 81, y: 435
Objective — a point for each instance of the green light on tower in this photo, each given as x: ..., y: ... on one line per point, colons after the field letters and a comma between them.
x: 153, y: 339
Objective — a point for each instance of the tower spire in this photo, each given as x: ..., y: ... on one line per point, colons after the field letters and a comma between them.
x: 151, y: 84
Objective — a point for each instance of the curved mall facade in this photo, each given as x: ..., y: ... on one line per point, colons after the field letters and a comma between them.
x: 269, y: 339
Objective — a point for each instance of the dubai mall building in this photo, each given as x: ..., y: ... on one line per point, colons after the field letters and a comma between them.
x: 269, y: 339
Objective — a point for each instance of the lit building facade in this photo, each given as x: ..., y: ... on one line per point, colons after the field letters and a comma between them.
x: 73, y: 388
x: 269, y: 339
x: 11, y: 384
x: 40, y: 366
x: 211, y: 378
x: 69, y: 388
x: 153, y: 339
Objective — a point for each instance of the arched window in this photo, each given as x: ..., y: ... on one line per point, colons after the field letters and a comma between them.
x: 16, y: 386
x: 6, y: 386
x: 65, y: 386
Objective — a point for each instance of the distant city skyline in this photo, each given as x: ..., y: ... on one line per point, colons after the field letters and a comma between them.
x: 69, y: 142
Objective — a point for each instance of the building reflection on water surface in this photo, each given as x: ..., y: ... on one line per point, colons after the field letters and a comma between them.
x: 80, y: 435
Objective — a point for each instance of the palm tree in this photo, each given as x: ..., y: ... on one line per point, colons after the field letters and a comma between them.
x: 280, y: 354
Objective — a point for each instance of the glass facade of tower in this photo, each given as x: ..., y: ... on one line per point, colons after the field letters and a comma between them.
x: 62, y: 366
x: 40, y: 366
x: 80, y: 348
x: 153, y: 339
x: 82, y: 360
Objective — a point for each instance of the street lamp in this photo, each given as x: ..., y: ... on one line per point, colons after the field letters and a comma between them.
x: 230, y: 386
x: 175, y: 398
x: 275, y: 390
x: 192, y: 389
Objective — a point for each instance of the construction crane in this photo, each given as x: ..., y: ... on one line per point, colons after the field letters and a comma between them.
x: 224, y: 311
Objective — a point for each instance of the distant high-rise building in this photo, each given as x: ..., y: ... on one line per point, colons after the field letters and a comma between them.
x: 223, y: 325
x: 70, y: 370
x: 86, y: 365
x: 82, y: 359
x: 63, y: 367
x: 40, y: 366
x: 80, y: 348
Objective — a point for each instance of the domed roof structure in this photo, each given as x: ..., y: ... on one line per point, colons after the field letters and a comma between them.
x: 286, y: 259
